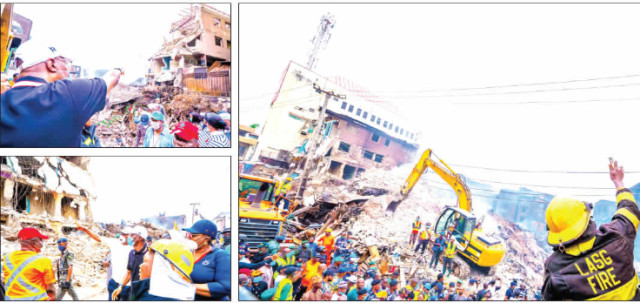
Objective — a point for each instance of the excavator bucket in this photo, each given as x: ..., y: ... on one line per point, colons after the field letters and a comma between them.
x: 391, y: 208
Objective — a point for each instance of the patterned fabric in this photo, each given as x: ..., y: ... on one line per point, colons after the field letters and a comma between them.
x: 215, y: 139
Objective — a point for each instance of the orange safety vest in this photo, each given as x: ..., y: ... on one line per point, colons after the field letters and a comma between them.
x: 27, y: 275
x: 310, y: 270
x: 327, y: 242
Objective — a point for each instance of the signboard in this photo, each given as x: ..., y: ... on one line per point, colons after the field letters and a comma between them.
x: 200, y: 73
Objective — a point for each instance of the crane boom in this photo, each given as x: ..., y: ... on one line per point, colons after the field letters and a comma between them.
x: 445, y: 172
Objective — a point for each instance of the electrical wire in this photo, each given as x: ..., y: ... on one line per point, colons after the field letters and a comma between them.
x: 399, y: 98
x: 509, y: 85
x: 538, y: 171
x: 551, y: 102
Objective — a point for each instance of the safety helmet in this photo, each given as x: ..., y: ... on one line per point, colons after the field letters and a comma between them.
x: 176, y: 253
x: 289, y: 179
x: 329, y: 229
x: 567, y: 219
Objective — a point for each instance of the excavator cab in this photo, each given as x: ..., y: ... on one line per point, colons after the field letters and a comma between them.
x: 458, y: 222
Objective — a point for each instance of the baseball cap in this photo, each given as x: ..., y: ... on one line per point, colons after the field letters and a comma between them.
x: 157, y: 115
x: 141, y: 231
x: 29, y: 233
x: 204, y: 227
x: 33, y: 53
x: 352, y: 279
x: 61, y: 240
x: 186, y: 131
x: 144, y: 119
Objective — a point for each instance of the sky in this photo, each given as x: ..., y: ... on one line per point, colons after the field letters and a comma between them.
x: 131, y: 188
x: 419, y: 56
x: 105, y: 36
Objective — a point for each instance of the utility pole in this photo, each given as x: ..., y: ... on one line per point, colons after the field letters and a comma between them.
x: 315, y: 137
x: 193, y: 211
x: 321, y: 39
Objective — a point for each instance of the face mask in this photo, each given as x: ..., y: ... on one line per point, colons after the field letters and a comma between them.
x: 61, y: 248
x: 129, y: 241
x: 155, y: 124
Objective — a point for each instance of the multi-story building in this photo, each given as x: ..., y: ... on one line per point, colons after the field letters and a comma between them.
x: 46, y: 191
x: 196, y: 44
x: 359, y: 132
x: 247, y: 141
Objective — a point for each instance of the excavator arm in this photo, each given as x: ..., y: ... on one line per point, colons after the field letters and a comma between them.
x: 445, y: 172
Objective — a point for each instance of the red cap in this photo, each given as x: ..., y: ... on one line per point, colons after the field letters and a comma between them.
x: 30, y: 232
x: 186, y: 131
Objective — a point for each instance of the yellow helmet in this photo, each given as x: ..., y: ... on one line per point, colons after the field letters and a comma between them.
x: 567, y: 219
x: 329, y: 229
x: 289, y: 179
x: 177, y: 253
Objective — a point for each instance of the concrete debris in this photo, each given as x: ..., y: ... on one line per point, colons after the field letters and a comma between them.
x: 116, y: 126
x: 359, y: 206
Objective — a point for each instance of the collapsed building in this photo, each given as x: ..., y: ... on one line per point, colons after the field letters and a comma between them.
x: 359, y: 205
x: 360, y: 132
x: 47, y: 192
x: 196, y: 52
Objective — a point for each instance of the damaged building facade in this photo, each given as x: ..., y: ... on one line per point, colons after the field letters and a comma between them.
x: 49, y: 192
x: 359, y: 132
x: 196, y: 53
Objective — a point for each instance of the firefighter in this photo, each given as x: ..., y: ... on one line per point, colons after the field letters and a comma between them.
x: 591, y: 263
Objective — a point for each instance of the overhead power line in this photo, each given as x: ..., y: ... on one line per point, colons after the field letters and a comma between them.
x: 552, y: 102
x: 538, y: 171
x: 526, y: 194
x: 396, y: 97
x: 512, y: 85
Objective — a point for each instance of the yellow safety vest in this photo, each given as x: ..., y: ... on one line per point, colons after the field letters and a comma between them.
x: 278, y: 294
x: 15, y: 276
x: 450, y: 252
x: 416, y: 225
x: 423, y: 235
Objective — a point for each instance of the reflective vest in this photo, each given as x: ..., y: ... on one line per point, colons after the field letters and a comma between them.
x: 286, y: 261
x: 416, y: 226
x: 450, y: 252
x: 424, y: 235
x: 278, y: 294
x: 16, y: 278
x: 310, y: 270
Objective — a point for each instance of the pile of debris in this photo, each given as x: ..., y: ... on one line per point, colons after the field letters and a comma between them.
x: 116, y: 126
x: 360, y: 206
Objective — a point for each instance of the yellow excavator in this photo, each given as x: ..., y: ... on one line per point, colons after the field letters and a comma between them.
x: 14, y: 30
x: 484, y: 251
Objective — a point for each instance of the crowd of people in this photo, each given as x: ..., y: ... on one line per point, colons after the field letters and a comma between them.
x: 326, y: 268
x: 139, y: 268
x: 42, y: 107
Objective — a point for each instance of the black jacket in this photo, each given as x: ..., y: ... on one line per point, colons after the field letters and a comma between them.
x: 604, y: 270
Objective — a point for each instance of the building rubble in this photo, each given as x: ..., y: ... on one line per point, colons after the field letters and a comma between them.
x: 116, y: 124
x: 359, y: 206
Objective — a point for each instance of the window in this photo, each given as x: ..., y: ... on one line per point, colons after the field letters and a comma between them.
x: 391, y: 126
x: 373, y: 118
x: 351, y: 108
x: 368, y: 155
x: 375, y: 138
x: 378, y: 121
x: 216, y: 22
x: 386, y: 142
x: 379, y: 158
x: 218, y: 41
x: 227, y: 25
x: 384, y: 124
x: 344, y: 146
x: 344, y: 105
x: 364, y: 115
x: 358, y: 112
x: 411, y: 135
x: 396, y: 129
x: 229, y: 44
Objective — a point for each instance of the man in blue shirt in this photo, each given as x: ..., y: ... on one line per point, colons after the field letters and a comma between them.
x: 44, y: 109
x: 510, y: 292
x: 136, y: 258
